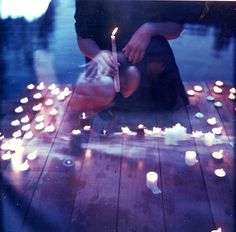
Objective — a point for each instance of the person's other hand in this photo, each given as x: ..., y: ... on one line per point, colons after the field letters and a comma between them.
x: 137, y: 45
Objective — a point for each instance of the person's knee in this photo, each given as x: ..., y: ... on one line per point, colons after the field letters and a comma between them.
x: 155, y: 68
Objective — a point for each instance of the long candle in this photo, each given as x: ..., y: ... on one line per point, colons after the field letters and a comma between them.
x: 114, y: 53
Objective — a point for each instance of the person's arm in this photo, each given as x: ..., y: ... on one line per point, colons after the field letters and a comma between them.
x: 137, y: 45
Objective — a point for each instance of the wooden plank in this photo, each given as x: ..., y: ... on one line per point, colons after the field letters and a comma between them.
x: 19, y: 187
x: 220, y: 190
x: 183, y: 187
x: 95, y: 207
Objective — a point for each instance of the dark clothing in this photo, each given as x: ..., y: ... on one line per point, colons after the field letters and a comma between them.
x: 97, y: 19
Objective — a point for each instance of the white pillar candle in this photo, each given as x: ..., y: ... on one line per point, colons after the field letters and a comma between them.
x: 197, y: 88
x: 114, y: 53
x: 151, y: 180
x: 190, y: 158
x: 17, y: 157
x: 209, y: 139
x: 217, y: 89
x: 219, y: 83
x: 191, y: 92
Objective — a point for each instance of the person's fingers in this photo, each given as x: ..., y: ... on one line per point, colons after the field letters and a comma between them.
x: 126, y: 51
x: 132, y: 54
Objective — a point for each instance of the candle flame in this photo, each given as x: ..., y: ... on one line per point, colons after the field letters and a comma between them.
x: 114, y: 31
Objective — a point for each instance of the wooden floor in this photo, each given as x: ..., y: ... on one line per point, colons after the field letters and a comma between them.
x: 97, y: 183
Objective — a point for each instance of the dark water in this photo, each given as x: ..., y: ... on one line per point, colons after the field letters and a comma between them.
x: 46, y: 49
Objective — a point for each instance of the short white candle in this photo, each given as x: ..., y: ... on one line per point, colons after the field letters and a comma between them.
x: 37, y: 96
x: 50, y: 128
x: 217, y: 130
x: 218, y: 104
x: 53, y: 112
x: 39, y: 118
x: 220, y: 172
x: 33, y: 155
x: 191, y: 92
x: 198, y: 88
x: 16, y: 159
x: 233, y: 90
x: 41, y: 86
x: 28, y: 135
x: 24, y: 100
x: 218, y: 154
x: 219, y: 83
x: 190, y: 158
x: 19, y: 109
x: 232, y: 96
x: 39, y: 126
x: 52, y: 86
x: 30, y: 86
x: 151, y: 180
x: 25, y: 119
x: 49, y: 102
x: 217, y: 89
x: 209, y: 139
x: 25, y: 127
x: 15, y: 122
x: 211, y: 121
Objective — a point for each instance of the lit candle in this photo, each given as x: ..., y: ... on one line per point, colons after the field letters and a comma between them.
x: 210, y: 98
x: 37, y: 107
x: 232, y: 90
x: 39, y: 126
x: 32, y: 156
x: 114, y: 53
x: 83, y: 115
x: 217, y: 89
x: 49, y: 102
x: 40, y: 86
x: 220, y: 172
x: 218, y: 230
x: 209, y: 139
x: 219, y: 83
x: 55, y: 91
x: 19, y: 109
x: 197, y: 88
x: 231, y: 96
x: 156, y: 130
x: 151, y: 180
x: 24, y: 167
x: 50, y: 128
x: 197, y: 134
x: 53, y: 112
x: 6, y: 156
x: 37, y: 96
x: 25, y: 119
x: 140, y: 130
x: 30, y: 86
x: 39, y: 118
x: 103, y: 133
x: 191, y: 92
x: 1, y: 137
x: 61, y: 97
x: 190, y: 158
x: 15, y: 122
x: 127, y: 131
x: 24, y: 100
x: 67, y: 91
x: 28, y: 135
x: 218, y: 154
x: 25, y: 127
x: 217, y: 130
x: 17, y: 134
x: 76, y: 132
x: 218, y: 104
x: 211, y: 121
x: 87, y: 128
x: 52, y: 86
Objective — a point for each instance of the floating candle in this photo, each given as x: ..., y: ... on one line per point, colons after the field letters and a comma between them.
x: 218, y: 154
x: 151, y: 180
x: 41, y: 86
x: 19, y: 109
x: 219, y: 83
x: 24, y: 167
x: 37, y: 107
x: 191, y: 92
x: 25, y: 119
x: 17, y: 134
x: 24, y: 100
x: 30, y: 86
x: 53, y: 112
x: 39, y: 118
x: 39, y: 126
x: 52, y: 86
x: 32, y: 156
x: 37, y: 96
x: 49, y: 102
x: 6, y: 156
x: 190, y: 158
x: 50, y: 128
x: 197, y: 88
x: 76, y: 132
x: 25, y: 127
x: 231, y: 96
x: 28, y: 135
x: 55, y: 91
x: 87, y: 128
x: 220, y: 172
x: 217, y: 89
x: 210, y: 98
x: 217, y: 130
x: 83, y: 115
x: 211, y: 121
x: 209, y: 139
x: 232, y: 90
x: 218, y: 104
x: 15, y: 122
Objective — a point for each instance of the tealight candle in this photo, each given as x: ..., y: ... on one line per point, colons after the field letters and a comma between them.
x: 61, y: 97
x: 209, y: 139
x: 219, y: 83
x: 127, y: 131
x: 83, y: 115
x: 24, y: 167
x: 67, y: 91
x: 28, y: 135
x: 218, y: 230
x: 197, y: 88
x: 218, y: 154
x: 231, y: 96
x: 37, y: 107
x: 232, y: 90
x: 87, y: 128
x: 220, y: 172
x: 50, y: 128
x: 191, y: 92
x: 217, y: 130
x: 37, y: 96
x: 30, y: 86
x: 210, y: 98
x: 6, y: 156
x: 17, y: 134
x: 39, y: 126
x: 39, y: 118
x: 25, y: 127
x: 49, y: 102
x: 52, y: 86
x: 25, y: 119
x: 24, y: 100
x: 19, y: 109
x: 32, y: 156
x: 76, y: 132
x: 151, y: 180
x: 218, y: 104
x: 53, y: 112
x: 55, y: 91
x: 15, y: 122
x: 211, y: 121
x: 217, y: 89
x: 156, y: 130
x: 40, y: 86
x: 197, y: 134
x: 190, y: 158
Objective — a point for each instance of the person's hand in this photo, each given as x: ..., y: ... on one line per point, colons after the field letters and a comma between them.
x: 137, y: 45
